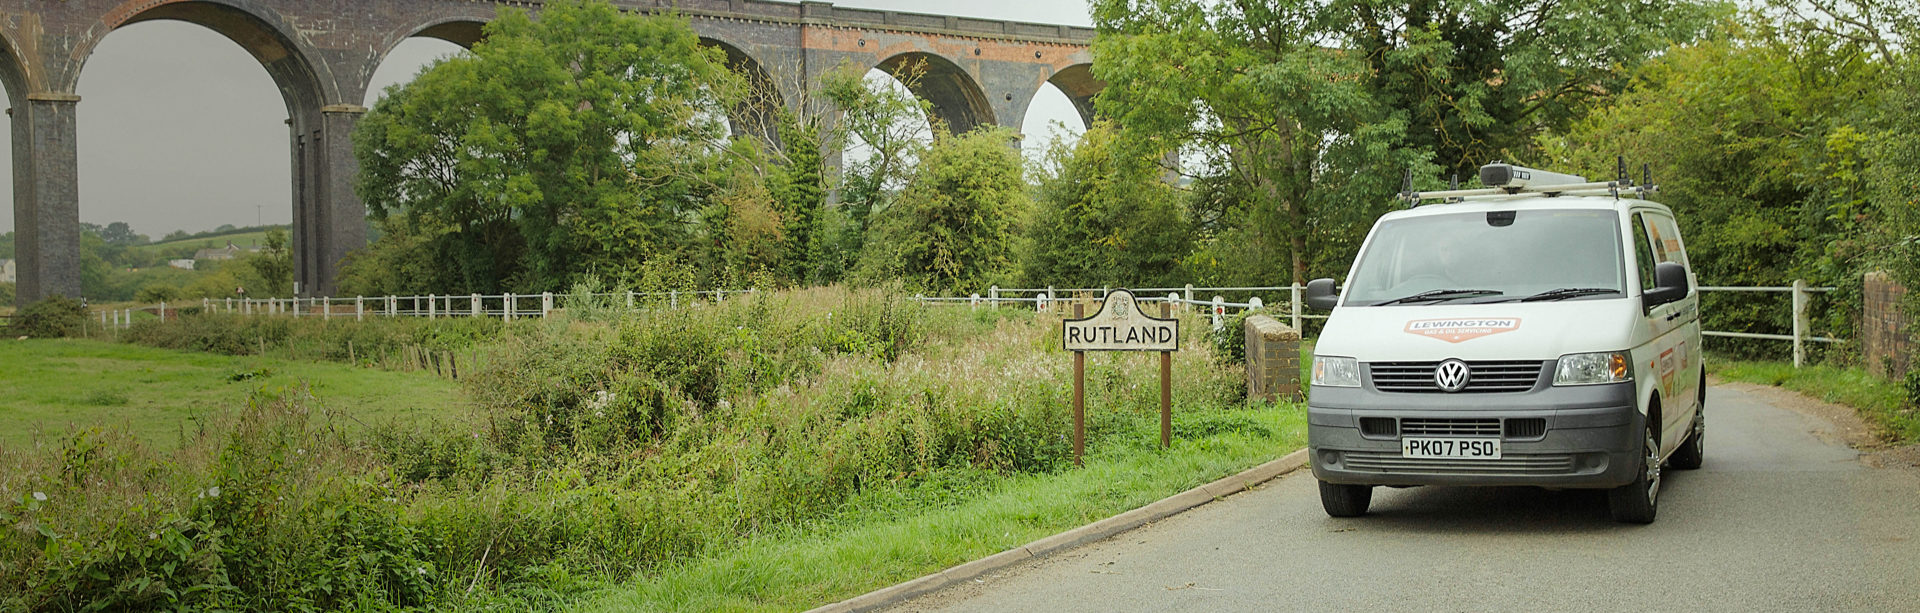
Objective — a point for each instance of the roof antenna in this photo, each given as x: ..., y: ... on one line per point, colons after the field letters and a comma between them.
x: 1620, y: 163
x: 1646, y: 174
x: 1406, y: 189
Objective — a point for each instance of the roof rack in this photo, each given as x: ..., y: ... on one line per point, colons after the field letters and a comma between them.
x: 1507, y: 181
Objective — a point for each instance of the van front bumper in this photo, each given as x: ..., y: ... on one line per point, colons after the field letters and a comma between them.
x: 1591, y: 437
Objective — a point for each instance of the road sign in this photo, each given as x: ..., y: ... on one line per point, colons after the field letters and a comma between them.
x: 1120, y: 325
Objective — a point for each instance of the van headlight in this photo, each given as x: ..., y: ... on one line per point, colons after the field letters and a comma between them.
x: 1336, y: 372
x: 1592, y: 368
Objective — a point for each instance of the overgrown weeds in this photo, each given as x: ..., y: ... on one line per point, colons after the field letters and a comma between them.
x: 597, y: 451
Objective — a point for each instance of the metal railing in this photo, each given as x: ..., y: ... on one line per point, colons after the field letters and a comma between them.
x: 1801, y: 298
x: 1047, y: 299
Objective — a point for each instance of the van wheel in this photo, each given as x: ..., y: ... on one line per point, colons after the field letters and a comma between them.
x: 1343, y: 500
x: 1637, y: 502
x: 1692, y: 453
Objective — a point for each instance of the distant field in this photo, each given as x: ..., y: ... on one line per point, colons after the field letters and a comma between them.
x: 52, y: 386
x: 242, y: 239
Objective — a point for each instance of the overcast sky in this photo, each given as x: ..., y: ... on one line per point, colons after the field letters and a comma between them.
x: 180, y: 129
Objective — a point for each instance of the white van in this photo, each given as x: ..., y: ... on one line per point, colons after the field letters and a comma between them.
x: 1542, y: 331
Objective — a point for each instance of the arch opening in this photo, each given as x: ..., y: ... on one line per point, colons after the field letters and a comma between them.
x: 958, y: 102
x: 1079, y: 86
x: 13, y: 78
x: 1048, y: 121
x: 756, y: 115
x: 885, y: 149
x: 403, y: 63
x: 180, y: 132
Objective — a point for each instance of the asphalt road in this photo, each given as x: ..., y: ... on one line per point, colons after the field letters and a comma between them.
x: 1777, y: 520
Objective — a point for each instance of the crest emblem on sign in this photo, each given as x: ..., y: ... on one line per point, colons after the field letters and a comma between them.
x: 1452, y: 375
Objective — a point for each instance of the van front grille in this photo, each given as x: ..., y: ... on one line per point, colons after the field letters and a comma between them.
x: 1485, y: 377
x: 1450, y: 427
x: 1508, y: 464
x: 1527, y: 427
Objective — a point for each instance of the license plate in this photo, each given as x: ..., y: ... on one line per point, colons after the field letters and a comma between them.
x: 1455, y: 448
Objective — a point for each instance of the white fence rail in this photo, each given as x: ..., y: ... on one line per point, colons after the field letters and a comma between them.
x: 518, y: 306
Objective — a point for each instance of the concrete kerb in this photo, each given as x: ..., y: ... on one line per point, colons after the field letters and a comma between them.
x: 1156, y: 511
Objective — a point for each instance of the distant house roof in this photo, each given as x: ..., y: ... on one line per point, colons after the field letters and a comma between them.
x: 218, y: 253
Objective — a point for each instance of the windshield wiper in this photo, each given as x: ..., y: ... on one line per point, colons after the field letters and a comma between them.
x: 1441, y: 294
x: 1568, y: 292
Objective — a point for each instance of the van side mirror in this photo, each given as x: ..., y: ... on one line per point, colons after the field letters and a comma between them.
x: 1320, y: 295
x: 1669, y: 284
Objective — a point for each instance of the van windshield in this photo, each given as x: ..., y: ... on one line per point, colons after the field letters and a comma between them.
x: 1499, y: 256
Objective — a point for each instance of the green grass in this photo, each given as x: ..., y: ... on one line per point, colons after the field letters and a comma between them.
x: 872, y: 545
x: 55, y: 385
x: 1882, y: 403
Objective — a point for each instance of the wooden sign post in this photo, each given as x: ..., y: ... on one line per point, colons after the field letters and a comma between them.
x: 1120, y: 325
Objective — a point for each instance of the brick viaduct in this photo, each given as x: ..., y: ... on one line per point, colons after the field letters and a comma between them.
x: 322, y: 53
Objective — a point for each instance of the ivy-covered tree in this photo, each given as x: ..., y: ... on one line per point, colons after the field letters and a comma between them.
x: 953, y: 229
x: 1102, y: 219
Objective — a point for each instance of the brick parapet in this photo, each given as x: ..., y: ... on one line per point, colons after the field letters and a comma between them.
x: 1886, y: 338
x: 1273, y: 360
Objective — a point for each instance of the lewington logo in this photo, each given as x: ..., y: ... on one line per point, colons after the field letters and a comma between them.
x: 1457, y: 330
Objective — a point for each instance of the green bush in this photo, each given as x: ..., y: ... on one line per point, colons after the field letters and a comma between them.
x: 1229, y: 343
x: 53, y: 317
x: 6, y: 294
x: 155, y: 292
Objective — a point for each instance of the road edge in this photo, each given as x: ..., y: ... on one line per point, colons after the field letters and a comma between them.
x: 1155, y: 511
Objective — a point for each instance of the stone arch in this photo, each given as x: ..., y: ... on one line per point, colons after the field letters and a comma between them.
x: 1080, y: 86
x: 756, y: 114
x: 463, y: 31
x: 258, y: 29
x: 958, y: 101
x: 13, y: 71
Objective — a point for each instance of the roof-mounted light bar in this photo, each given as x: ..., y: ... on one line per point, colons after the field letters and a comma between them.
x: 1506, y: 181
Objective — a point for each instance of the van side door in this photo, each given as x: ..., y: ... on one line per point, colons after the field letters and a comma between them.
x: 1674, y: 327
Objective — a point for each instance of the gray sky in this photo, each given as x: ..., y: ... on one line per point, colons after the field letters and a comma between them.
x: 180, y: 129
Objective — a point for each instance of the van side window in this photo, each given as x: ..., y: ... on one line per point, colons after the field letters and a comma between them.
x: 1643, y: 251
x: 1666, y: 239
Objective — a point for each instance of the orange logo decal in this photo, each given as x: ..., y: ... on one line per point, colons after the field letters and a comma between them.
x: 1457, y: 330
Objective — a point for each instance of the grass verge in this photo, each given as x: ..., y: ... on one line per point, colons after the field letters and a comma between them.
x: 158, y: 395
x: 872, y: 546
x: 1881, y: 402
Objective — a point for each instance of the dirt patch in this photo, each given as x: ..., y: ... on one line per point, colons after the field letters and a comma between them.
x: 1843, y: 424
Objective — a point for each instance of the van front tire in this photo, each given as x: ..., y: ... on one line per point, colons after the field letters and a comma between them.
x: 1638, y: 502
x: 1344, y: 500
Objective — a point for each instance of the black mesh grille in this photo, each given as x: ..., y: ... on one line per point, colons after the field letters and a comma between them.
x: 1378, y: 426
x: 1485, y: 377
x: 1508, y: 464
x: 1450, y: 427
x: 1526, y: 427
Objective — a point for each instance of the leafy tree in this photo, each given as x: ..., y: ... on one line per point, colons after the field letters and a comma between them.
x: 953, y: 228
x: 889, y: 123
x: 176, y: 235
x: 6, y: 245
x: 402, y: 262
x: 120, y: 234
x: 558, y: 146
x: 1756, y: 140
x: 1482, y: 79
x: 1251, y: 91
x: 1103, y: 220
x: 274, y: 265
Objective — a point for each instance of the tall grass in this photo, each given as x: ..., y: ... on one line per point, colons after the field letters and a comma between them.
x: 598, y: 452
